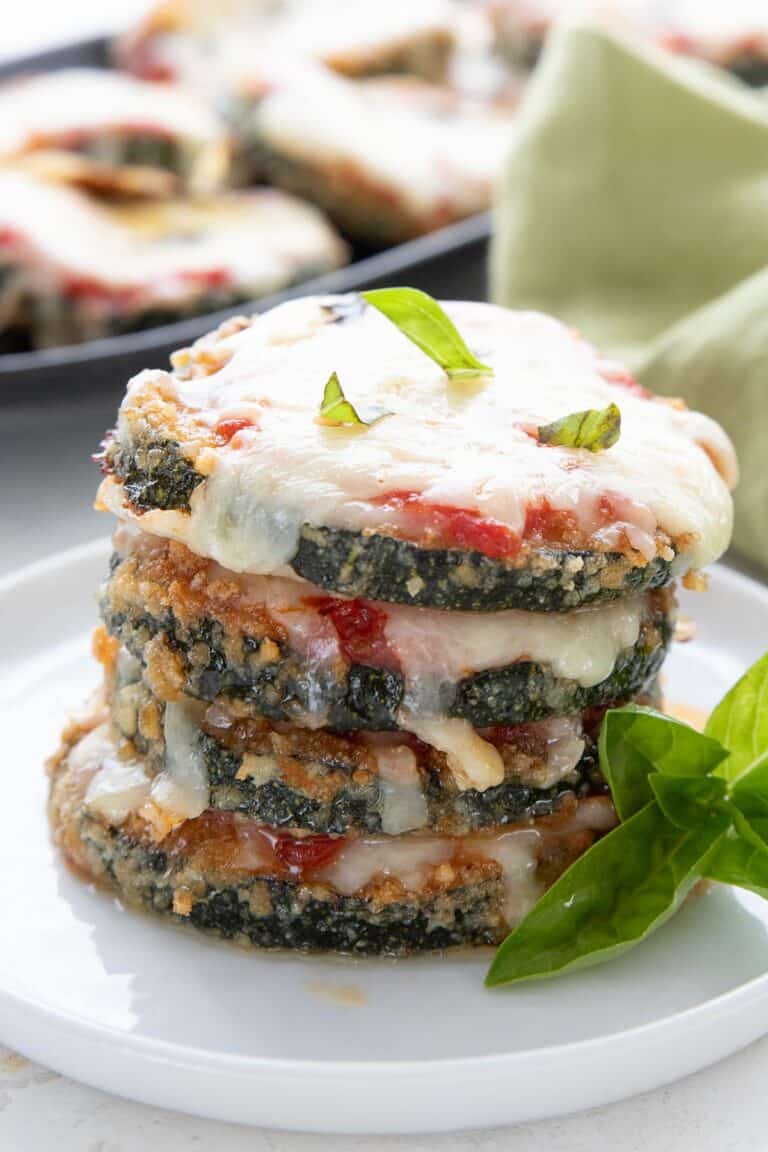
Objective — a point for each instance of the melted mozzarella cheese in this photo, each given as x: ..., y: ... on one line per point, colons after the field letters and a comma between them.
x: 433, y: 647
x: 412, y: 861
x: 456, y: 444
x: 259, y: 239
x: 116, y: 787
x: 225, y: 43
x: 473, y: 762
x: 119, y: 788
x: 181, y: 790
x: 564, y: 748
x: 40, y: 110
x: 581, y: 646
x: 516, y: 854
x: 409, y: 860
x: 429, y: 157
x: 402, y: 803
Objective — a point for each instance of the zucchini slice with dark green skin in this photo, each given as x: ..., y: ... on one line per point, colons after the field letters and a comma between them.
x: 753, y: 70
x: 323, y: 783
x: 279, y: 913
x: 379, y: 567
x: 356, y: 807
x: 375, y: 566
x: 350, y: 697
x: 156, y: 475
x: 150, y: 150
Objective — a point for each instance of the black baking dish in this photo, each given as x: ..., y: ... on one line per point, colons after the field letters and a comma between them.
x: 450, y: 263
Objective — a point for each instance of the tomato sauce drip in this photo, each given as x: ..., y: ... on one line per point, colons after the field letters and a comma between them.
x: 360, y: 627
x: 143, y: 62
x: 227, y: 429
x: 548, y: 524
x: 216, y: 839
x: 456, y: 527
x: 307, y: 853
x: 90, y: 288
x: 207, y: 277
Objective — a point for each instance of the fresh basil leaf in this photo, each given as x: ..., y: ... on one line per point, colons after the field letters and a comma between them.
x: 636, y: 741
x: 594, y: 429
x: 336, y: 410
x: 423, y: 321
x: 740, y: 723
x: 692, y: 803
x: 750, y: 792
x: 754, y: 831
x: 740, y: 862
x: 620, y: 890
x: 748, y: 804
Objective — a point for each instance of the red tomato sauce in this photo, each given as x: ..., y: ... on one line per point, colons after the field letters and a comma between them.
x: 227, y: 429
x: 456, y: 527
x: 308, y: 853
x: 360, y: 627
x: 217, y: 839
x: 207, y: 277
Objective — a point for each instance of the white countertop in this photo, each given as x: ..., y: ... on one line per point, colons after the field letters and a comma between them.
x: 719, y: 1110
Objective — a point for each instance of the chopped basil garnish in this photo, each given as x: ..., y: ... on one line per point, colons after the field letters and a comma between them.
x: 423, y: 321
x: 692, y: 805
x: 336, y: 411
x: 595, y: 429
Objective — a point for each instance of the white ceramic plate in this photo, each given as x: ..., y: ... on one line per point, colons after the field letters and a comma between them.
x: 144, y: 1009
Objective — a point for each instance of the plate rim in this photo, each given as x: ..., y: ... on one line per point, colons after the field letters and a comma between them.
x: 197, y: 1058
x: 390, y: 1096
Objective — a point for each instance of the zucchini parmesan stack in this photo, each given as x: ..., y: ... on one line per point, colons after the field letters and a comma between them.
x: 380, y: 568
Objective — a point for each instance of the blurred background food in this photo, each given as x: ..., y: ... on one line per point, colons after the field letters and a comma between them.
x: 77, y: 270
x: 117, y: 209
x: 389, y: 119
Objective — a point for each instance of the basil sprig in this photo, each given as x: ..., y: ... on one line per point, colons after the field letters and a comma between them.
x: 336, y: 411
x: 692, y: 805
x: 426, y: 325
x: 594, y: 429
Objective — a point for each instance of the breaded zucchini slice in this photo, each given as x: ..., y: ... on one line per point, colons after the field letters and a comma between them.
x: 288, y: 652
x: 448, y: 499
x: 239, y: 880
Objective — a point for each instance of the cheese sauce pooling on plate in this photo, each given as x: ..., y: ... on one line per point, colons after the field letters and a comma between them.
x: 462, y: 444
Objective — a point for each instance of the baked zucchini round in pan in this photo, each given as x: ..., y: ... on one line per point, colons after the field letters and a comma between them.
x: 463, y: 488
x: 120, y: 124
x: 236, y: 879
x: 83, y: 270
x: 290, y: 653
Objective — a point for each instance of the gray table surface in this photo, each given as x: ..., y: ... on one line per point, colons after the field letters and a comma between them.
x: 47, y: 485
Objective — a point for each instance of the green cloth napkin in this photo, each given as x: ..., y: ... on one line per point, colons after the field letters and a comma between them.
x: 634, y: 206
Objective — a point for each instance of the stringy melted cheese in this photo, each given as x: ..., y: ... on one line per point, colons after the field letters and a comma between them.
x: 457, y: 444
x: 472, y: 761
x: 431, y: 646
x: 412, y: 861
x: 120, y: 788
x: 581, y: 646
